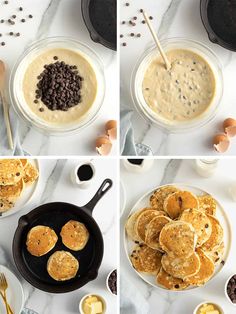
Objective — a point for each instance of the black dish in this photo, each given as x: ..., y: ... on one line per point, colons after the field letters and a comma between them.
x: 219, y: 20
x: 55, y: 215
x: 100, y: 17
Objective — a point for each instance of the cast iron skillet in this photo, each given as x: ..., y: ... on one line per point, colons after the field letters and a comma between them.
x: 55, y: 215
x: 211, y: 34
x: 101, y: 23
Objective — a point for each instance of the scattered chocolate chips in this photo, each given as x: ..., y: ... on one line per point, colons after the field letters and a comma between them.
x: 231, y: 289
x: 59, y: 86
x: 112, y: 282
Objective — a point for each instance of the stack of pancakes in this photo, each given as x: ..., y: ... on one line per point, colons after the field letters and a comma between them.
x: 15, y: 175
x: 178, y: 238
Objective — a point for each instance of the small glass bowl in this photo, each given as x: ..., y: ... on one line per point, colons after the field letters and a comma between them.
x: 17, y: 75
x: 137, y: 79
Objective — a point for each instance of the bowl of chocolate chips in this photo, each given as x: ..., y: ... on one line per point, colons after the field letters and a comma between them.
x: 111, y: 282
x: 230, y: 289
x: 58, y: 85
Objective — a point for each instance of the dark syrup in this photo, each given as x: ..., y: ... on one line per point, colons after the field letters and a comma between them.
x: 137, y: 162
x: 222, y: 19
x: 85, y: 173
x: 103, y: 16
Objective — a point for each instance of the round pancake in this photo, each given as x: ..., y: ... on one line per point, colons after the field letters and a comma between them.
x: 11, y: 171
x: 216, y: 255
x: 74, y: 235
x: 207, y: 204
x: 146, y: 260
x: 205, y: 272
x: 169, y: 282
x: 178, y: 238
x: 200, y: 222
x: 6, y: 204
x: 216, y: 237
x: 62, y: 266
x: 31, y: 174
x: 41, y: 240
x: 158, y: 197
x: 130, y: 224
x: 142, y: 222
x: 177, y: 202
x: 7, y: 191
x: 181, y: 267
x: 153, y: 231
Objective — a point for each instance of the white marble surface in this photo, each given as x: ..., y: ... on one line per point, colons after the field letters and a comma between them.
x: 174, y: 18
x: 163, y: 172
x: 58, y: 18
x: 55, y: 185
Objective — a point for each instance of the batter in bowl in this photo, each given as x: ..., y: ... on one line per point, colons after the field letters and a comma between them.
x: 82, y: 70
x: 183, y: 93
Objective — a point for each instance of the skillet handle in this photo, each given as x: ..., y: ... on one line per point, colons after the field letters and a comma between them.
x: 106, y: 185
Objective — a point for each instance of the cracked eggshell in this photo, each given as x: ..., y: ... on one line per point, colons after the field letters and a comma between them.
x: 229, y: 126
x: 103, y: 145
x: 111, y: 129
x: 221, y: 143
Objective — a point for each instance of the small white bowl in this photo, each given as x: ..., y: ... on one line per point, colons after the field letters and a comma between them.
x: 226, y: 294
x: 108, y: 288
x: 208, y: 302
x: 96, y: 295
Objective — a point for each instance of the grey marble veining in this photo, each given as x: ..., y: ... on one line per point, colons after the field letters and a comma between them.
x: 170, y: 171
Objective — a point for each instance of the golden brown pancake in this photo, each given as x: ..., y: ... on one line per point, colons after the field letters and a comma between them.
x: 146, y: 260
x: 216, y: 255
x: 216, y: 237
x: 6, y: 204
x: 74, y: 235
x: 130, y: 224
x: 31, y: 174
x: 11, y: 171
x: 8, y: 191
x: 41, y: 240
x: 158, y: 197
x: 153, y: 231
x: 207, y: 204
x: 62, y: 266
x: 181, y: 267
x: 200, y: 223
x: 178, y: 239
x: 169, y: 282
x: 205, y: 272
x: 142, y: 222
x: 177, y: 202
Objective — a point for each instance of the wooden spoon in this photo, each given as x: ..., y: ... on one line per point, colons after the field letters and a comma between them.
x: 4, y: 103
x: 154, y: 35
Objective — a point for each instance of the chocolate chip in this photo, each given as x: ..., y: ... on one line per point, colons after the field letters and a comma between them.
x: 138, y: 35
x: 3, y: 43
x: 124, y: 44
x: 6, y: 2
x: 135, y: 17
x: 121, y: 36
x: 2, y: 21
x: 18, y: 174
x: 123, y: 22
x: 20, y: 9
x: 132, y: 34
x: 17, y: 34
x: 177, y: 286
x: 30, y: 16
x: 0, y: 35
x: 127, y: 4
x: 223, y: 263
x: 23, y: 20
x: 112, y: 282
x: 11, y: 33
x: 55, y: 58
x: 36, y: 101
x: 206, y: 226
x: 150, y: 18
x: 14, y: 16
x: 143, y: 21
x: 41, y: 109
x: 141, y: 10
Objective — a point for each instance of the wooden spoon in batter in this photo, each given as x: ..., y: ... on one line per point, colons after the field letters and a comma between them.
x: 154, y: 35
x: 4, y: 103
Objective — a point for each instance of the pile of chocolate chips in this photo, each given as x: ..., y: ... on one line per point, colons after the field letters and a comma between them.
x: 112, y: 282
x: 231, y: 289
x: 59, y: 86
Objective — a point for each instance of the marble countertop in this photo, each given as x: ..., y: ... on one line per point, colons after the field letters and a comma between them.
x: 55, y: 185
x: 173, y: 18
x: 181, y: 171
x: 58, y: 18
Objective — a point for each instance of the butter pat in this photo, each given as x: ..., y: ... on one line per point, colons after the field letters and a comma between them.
x: 209, y: 309
x: 92, y: 305
x: 97, y: 307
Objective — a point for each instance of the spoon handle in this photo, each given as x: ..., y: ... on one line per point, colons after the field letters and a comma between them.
x: 7, y: 120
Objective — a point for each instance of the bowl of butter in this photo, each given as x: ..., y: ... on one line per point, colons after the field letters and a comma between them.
x: 208, y: 308
x: 92, y: 304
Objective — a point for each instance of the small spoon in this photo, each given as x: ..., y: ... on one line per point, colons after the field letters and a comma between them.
x: 154, y: 35
x: 4, y: 103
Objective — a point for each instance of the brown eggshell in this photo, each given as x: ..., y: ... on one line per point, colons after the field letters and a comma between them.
x: 229, y: 126
x: 221, y: 143
x: 103, y: 145
x: 111, y: 129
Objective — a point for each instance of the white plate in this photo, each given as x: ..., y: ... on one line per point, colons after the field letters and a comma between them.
x: 122, y: 198
x: 220, y: 214
x: 26, y: 195
x: 15, y: 295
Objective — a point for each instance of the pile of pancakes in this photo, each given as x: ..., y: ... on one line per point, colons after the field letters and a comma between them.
x: 61, y: 265
x: 15, y: 175
x: 178, y: 238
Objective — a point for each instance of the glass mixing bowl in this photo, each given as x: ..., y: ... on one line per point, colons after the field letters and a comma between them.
x: 137, y: 79
x: 16, y: 85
